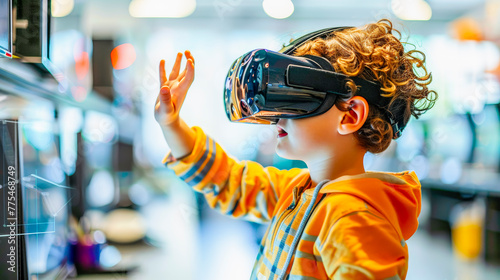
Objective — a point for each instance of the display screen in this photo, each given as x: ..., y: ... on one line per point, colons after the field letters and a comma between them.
x: 37, y: 206
x: 11, y: 252
x: 46, y: 198
x: 29, y: 39
x: 5, y: 26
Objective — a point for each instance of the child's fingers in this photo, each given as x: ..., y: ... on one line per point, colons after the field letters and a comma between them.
x: 188, y: 78
x: 166, y: 99
x: 189, y: 73
x: 175, y: 69
x: 163, y: 77
x: 183, y: 74
x: 188, y: 55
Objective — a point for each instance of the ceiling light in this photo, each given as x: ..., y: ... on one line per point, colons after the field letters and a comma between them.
x: 61, y: 8
x: 161, y: 8
x: 279, y: 9
x: 411, y: 9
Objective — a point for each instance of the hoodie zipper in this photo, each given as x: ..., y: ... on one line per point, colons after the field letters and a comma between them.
x: 286, y: 213
x: 283, y: 216
x: 300, y: 229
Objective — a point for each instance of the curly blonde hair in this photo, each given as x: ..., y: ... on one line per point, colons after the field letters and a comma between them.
x: 374, y: 53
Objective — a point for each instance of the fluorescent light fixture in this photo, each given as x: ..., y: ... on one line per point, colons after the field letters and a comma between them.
x: 61, y: 8
x: 278, y: 9
x: 411, y: 9
x: 161, y: 8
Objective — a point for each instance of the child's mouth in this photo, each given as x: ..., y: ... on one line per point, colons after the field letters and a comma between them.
x: 281, y: 132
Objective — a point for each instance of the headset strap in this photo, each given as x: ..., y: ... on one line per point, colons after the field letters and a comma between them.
x: 335, y: 83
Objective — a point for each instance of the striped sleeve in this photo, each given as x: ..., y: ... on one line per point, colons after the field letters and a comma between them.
x: 242, y: 189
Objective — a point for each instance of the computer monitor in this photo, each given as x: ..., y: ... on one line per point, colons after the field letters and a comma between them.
x: 12, y: 241
x: 42, y: 204
x: 33, y: 31
x: 6, y: 28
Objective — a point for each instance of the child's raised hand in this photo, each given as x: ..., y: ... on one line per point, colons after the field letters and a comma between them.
x: 173, y: 90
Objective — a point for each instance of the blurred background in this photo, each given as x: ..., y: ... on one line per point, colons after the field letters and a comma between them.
x: 77, y: 90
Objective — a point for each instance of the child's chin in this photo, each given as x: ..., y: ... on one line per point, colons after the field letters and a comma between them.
x: 284, y: 153
x: 280, y: 152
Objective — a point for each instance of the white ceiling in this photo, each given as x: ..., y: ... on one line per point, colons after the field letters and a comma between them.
x: 111, y: 16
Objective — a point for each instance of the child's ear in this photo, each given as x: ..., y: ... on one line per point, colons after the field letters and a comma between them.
x: 353, y: 119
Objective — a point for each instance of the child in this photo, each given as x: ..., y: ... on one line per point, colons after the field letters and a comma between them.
x: 332, y: 220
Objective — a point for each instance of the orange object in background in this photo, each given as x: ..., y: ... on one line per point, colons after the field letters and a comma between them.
x: 467, y: 29
x: 82, y: 65
x: 123, y: 56
x: 467, y: 230
x: 467, y: 239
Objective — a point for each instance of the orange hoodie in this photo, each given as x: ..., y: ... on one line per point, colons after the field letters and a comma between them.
x: 374, y: 237
x: 353, y: 227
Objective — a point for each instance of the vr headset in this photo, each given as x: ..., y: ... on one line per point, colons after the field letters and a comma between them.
x: 263, y: 86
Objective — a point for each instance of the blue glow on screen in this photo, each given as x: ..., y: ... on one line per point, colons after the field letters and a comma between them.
x: 45, y: 200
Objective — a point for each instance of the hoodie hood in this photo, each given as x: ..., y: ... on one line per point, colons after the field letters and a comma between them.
x: 395, y: 195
